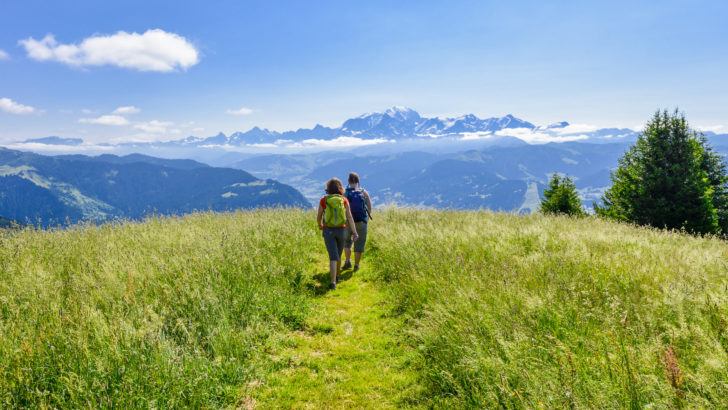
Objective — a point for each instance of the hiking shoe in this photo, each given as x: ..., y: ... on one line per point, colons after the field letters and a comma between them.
x: 356, y: 268
x: 347, y: 265
x: 332, y: 286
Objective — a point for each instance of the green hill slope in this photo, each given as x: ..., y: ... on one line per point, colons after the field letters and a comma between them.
x: 452, y: 309
x: 48, y: 191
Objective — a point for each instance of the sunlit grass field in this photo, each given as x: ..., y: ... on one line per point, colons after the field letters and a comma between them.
x: 495, y: 310
x: 557, y: 312
x: 171, y: 312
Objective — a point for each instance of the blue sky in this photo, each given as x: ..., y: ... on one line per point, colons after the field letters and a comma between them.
x: 294, y: 64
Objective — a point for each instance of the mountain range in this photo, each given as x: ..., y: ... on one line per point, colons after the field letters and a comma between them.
x: 397, y: 124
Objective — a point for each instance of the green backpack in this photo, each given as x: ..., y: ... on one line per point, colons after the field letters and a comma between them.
x: 335, y: 212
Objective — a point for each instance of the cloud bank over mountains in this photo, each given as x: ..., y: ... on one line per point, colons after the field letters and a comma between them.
x: 154, y: 50
x: 395, y: 125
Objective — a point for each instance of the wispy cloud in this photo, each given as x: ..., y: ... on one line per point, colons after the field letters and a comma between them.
x: 116, y: 120
x: 40, y: 147
x: 575, y: 129
x: 12, y: 107
x: 340, y: 142
x: 154, y: 50
x: 537, y: 136
x: 154, y: 126
x: 4, y: 55
x: 241, y: 111
x: 470, y: 136
x: 711, y: 128
x: 126, y: 110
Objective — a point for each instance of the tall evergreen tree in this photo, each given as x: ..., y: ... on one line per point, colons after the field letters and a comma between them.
x: 561, y: 197
x: 670, y: 178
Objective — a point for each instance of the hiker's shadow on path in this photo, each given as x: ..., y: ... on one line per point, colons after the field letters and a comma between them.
x: 320, y: 284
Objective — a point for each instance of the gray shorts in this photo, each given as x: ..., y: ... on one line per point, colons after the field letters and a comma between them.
x: 334, y: 240
x: 361, y: 229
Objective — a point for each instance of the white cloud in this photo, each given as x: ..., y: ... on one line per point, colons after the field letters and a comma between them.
x: 126, y: 110
x: 4, y: 55
x: 40, y: 147
x: 339, y: 142
x: 575, y: 129
x: 537, y: 136
x: 711, y: 128
x: 154, y: 126
x: 8, y: 105
x: 198, y: 129
x: 242, y: 111
x: 155, y: 50
x: 116, y: 120
x: 87, y: 111
x: 264, y: 145
x: 480, y: 135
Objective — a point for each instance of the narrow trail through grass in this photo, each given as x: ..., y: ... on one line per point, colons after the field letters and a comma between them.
x: 349, y: 356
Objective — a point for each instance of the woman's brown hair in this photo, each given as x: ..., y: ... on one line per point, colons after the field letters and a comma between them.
x: 353, y: 178
x: 333, y: 186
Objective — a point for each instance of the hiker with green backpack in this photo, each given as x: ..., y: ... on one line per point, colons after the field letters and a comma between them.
x: 333, y: 215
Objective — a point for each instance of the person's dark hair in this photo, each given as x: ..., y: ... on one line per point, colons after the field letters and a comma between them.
x: 353, y: 178
x: 333, y: 186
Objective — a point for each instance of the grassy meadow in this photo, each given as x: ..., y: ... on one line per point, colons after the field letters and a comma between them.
x: 558, y: 312
x: 475, y: 309
x: 171, y: 312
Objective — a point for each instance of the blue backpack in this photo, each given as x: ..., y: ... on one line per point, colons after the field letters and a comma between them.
x: 357, y: 204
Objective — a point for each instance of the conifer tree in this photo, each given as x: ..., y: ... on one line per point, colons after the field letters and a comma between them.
x: 670, y: 178
x: 561, y: 197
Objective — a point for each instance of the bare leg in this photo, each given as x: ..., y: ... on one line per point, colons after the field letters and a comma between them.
x: 333, y: 266
x: 357, y: 258
x: 347, y: 252
x: 338, y: 269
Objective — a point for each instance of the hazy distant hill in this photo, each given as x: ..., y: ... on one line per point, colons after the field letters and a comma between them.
x: 498, y: 177
x: 51, y: 190
x: 9, y: 223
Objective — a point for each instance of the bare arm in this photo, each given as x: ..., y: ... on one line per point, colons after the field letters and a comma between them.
x: 369, y: 201
x: 352, y: 224
x: 320, y: 217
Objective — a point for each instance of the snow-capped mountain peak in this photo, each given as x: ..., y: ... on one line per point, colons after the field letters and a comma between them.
x: 402, y: 113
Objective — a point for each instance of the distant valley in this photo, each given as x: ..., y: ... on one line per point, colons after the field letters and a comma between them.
x: 499, y: 178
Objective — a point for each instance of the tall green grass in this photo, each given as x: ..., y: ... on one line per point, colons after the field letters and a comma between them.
x: 530, y: 311
x: 171, y: 312
x: 501, y: 310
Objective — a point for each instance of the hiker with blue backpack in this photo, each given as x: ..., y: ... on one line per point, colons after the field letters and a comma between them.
x: 334, y: 214
x: 361, y: 206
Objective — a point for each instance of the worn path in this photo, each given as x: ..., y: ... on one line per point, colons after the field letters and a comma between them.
x: 350, y: 355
